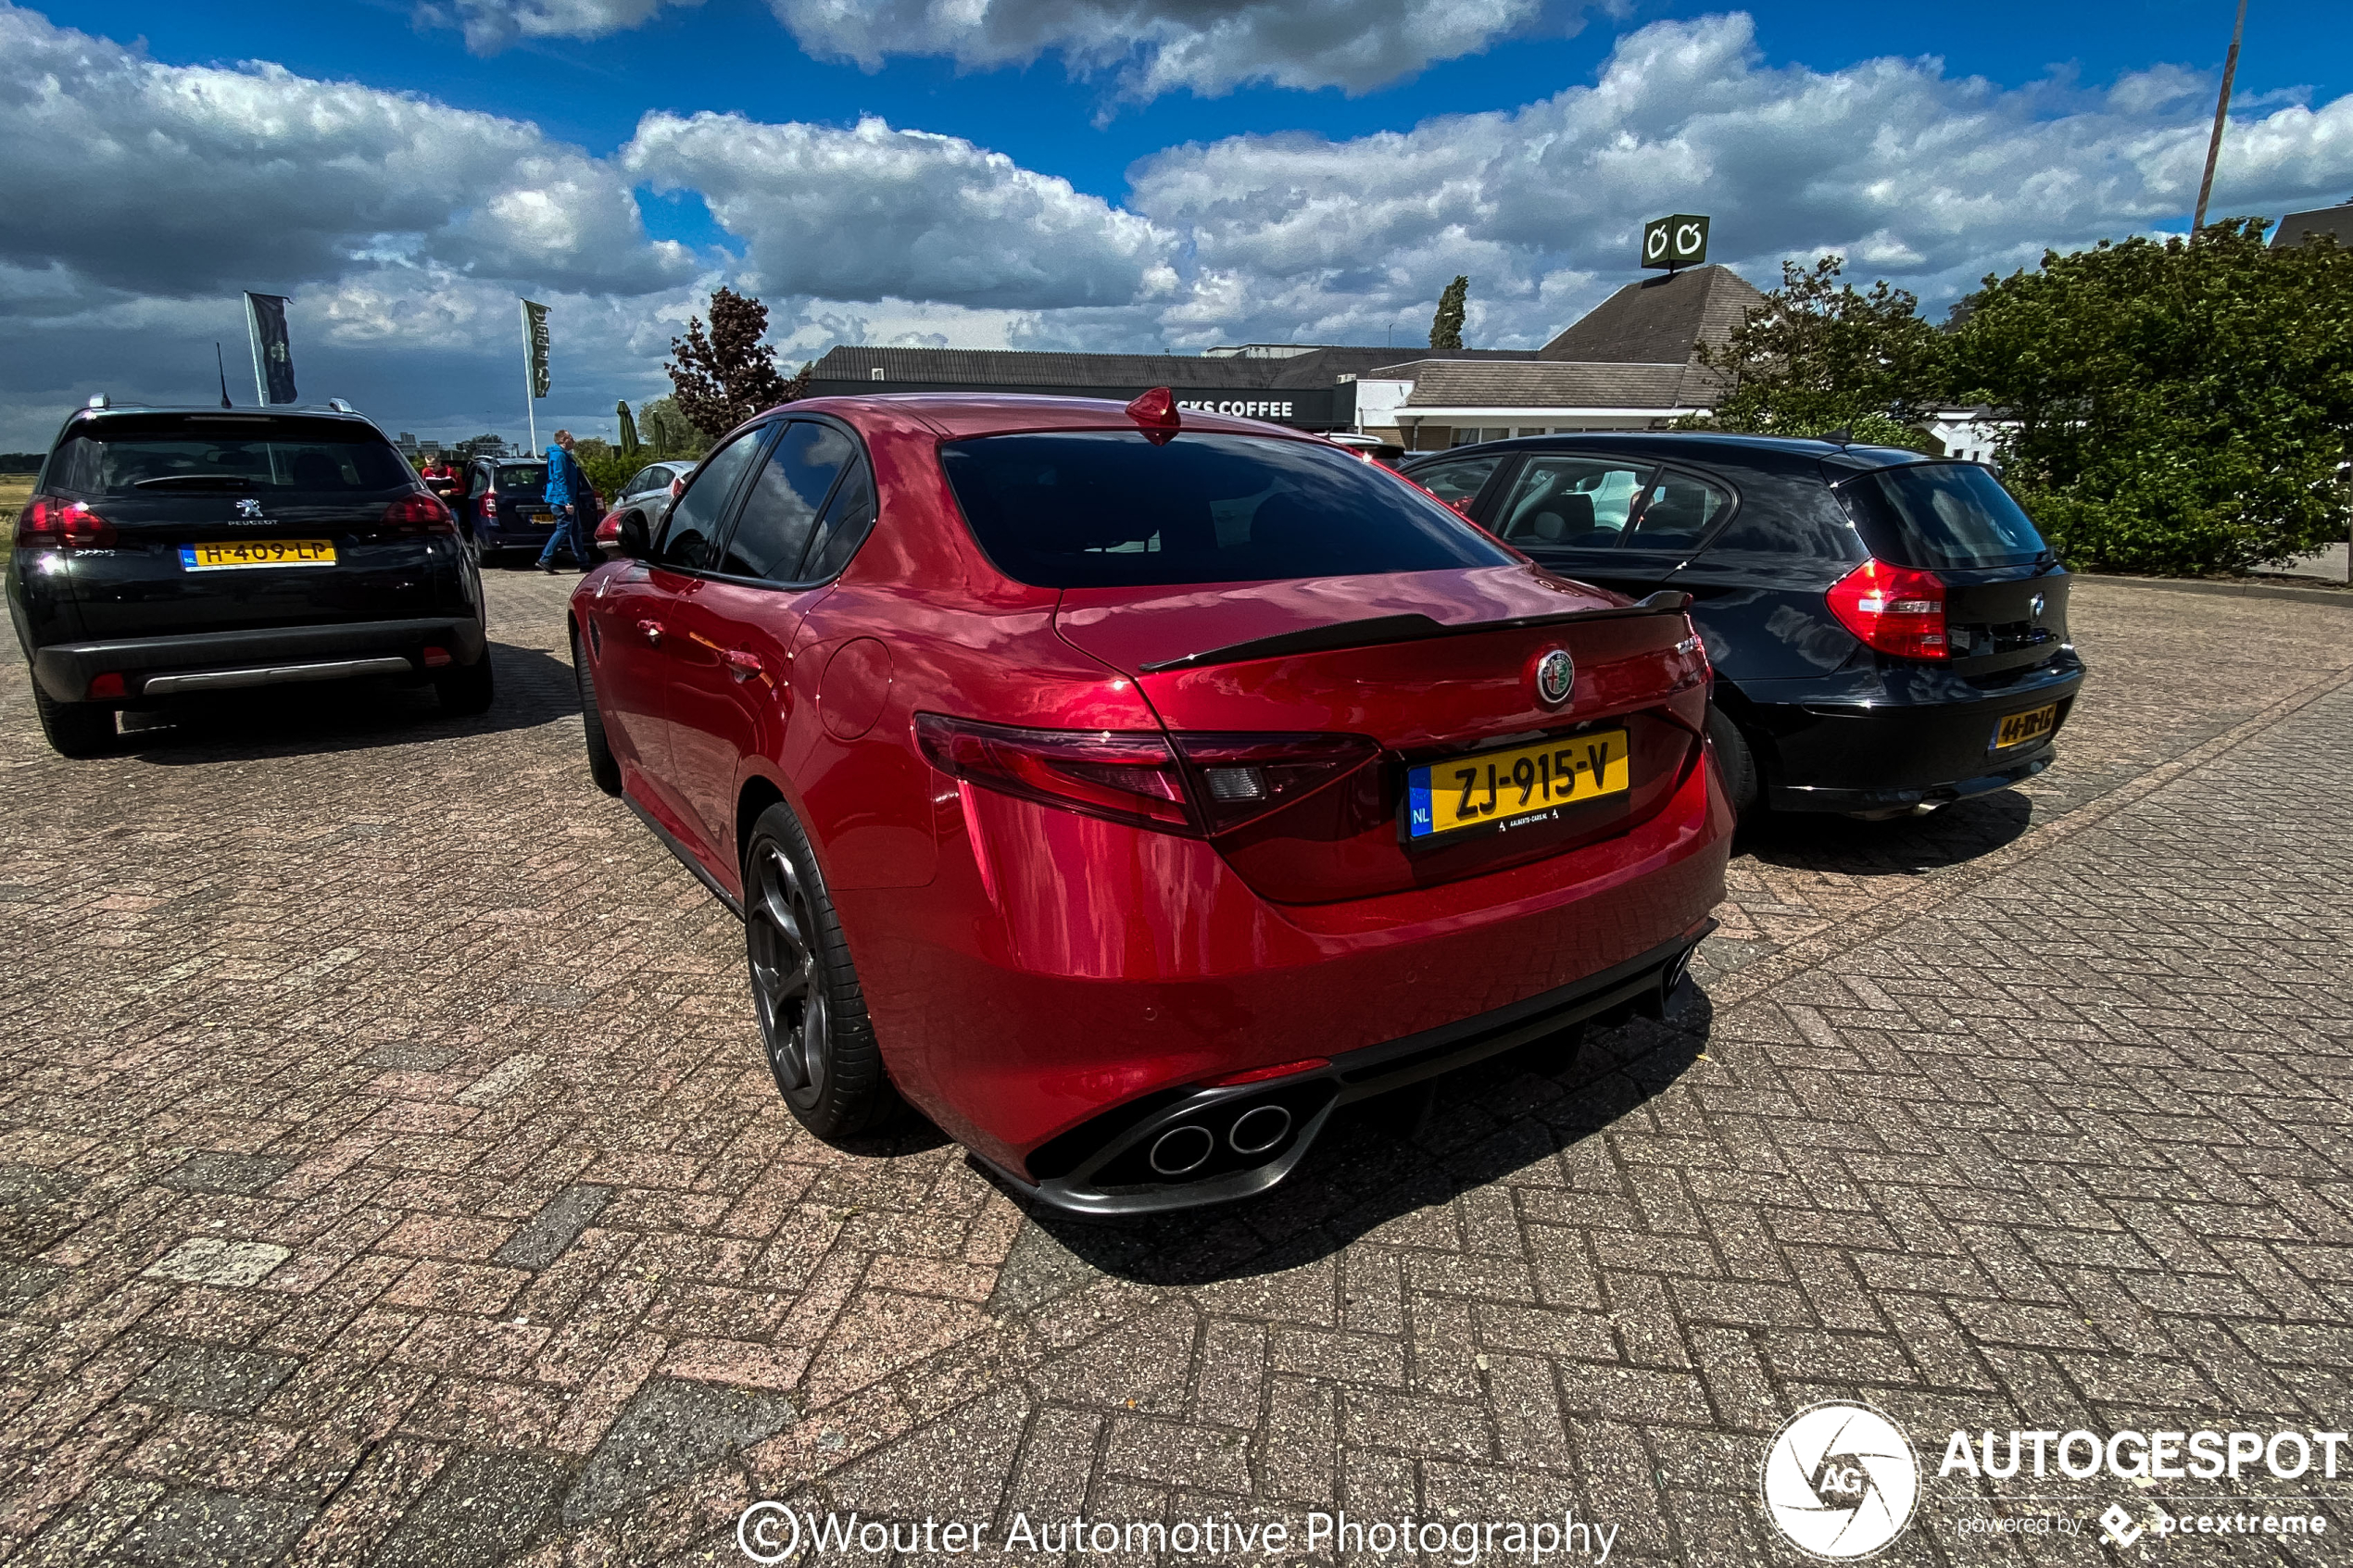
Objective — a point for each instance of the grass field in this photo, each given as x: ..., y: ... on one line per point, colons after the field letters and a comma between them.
x: 15, y: 489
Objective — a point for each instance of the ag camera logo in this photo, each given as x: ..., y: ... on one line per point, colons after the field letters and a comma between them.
x: 1841, y: 1481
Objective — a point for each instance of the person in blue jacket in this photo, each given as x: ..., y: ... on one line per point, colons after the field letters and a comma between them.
x: 572, y: 499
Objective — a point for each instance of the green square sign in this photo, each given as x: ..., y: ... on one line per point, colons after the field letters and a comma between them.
x: 1679, y: 240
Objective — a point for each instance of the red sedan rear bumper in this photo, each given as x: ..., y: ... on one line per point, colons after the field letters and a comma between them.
x: 1016, y: 1000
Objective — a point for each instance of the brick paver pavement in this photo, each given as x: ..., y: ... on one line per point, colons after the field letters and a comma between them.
x: 388, y: 1173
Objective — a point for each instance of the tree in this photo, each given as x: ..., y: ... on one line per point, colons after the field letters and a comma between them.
x: 2183, y: 405
x: 1818, y: 356
x: 727, y: 375
x: 668, y: 431
x: 1446, y: 327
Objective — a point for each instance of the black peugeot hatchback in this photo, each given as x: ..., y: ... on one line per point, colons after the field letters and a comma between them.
x: 1889, y: 631
x: 169, y: 552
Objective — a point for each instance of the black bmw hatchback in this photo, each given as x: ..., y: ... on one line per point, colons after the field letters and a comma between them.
x: 1889, y: 632
x: 168, y: 552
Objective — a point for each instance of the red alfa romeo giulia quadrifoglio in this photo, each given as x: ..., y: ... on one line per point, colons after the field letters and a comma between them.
x: 1127, y: 789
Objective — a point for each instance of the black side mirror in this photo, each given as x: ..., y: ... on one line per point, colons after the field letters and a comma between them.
x: 635, y: 545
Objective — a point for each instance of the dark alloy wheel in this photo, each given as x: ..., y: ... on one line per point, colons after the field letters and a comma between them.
x: 812, y: 1013
x: 73, y: 729
x: 1739, y: 765
x: 604, y: 768
x: 466, y: 688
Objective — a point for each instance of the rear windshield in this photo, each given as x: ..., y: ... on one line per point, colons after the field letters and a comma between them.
x: 1932, y: 515
x: 1108, y: 508
x: 259, y: 453
x: 522, y: 476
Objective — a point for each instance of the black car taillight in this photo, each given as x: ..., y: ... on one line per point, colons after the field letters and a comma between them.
x: 1204, y: 784
x: 417, y: 512
x: 1897, y: 609
x: 53, y: 522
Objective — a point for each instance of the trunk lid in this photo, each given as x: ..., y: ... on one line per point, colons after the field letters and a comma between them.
x: 1434, y: 667
x: 2005, y: 618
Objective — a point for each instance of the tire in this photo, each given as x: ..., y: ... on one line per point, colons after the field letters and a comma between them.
x: 1737, y: 765
x: 604, y: 768
x: 74, y: 729
x: 473, y: 549
x: 467, y: 689
x: 812, y: 1011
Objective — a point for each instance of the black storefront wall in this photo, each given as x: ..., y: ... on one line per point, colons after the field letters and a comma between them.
x: 1304, y: 407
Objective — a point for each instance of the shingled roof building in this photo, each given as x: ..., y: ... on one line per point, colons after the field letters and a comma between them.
x: 1628, y: 364
x: 1309, y: 386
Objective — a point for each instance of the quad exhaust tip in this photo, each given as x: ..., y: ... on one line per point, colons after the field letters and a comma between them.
x: 1259, y: 1129
x: 1182, y: 1150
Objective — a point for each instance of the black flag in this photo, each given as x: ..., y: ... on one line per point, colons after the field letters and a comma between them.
x: 273, y: 354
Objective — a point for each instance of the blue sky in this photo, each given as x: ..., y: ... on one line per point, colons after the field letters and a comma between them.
x: 1087, y: 173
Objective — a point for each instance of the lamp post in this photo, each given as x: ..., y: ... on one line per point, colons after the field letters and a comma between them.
x: 2221, y: 109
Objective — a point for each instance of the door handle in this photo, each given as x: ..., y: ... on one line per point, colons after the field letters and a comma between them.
x: 743, y: 665
x: 652, y: 629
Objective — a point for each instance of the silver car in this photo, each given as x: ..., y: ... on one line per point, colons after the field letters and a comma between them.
x: 647, y: 493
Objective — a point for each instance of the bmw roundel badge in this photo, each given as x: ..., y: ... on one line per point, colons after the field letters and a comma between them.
x: 1556, y: 674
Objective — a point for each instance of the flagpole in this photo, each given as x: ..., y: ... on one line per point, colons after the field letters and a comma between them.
x: 2221, y: 112
x: 529, y: 389
x: 253, y: 341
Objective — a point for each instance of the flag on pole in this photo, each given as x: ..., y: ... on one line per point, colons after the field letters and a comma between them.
x: 273, y: 378
x: 535, y: 363
x: 534, y: 340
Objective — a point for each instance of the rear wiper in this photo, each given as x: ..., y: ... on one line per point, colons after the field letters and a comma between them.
x: 195, y: 482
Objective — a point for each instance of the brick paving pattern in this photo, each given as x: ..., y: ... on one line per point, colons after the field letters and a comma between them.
x: 388, y: 1173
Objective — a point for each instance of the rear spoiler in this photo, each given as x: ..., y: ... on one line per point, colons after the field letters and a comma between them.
x: 1381, y: 629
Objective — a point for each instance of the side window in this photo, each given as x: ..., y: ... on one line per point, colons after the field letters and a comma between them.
x: 641, y: 480
x: 1786, y: 515
x: 1457, y: 481
x: 1678, y: 513
x: 687, y: 533
x: 481, y: 485
x: 779, y: 511
x: 1572, y: 502
x: 846, y: 524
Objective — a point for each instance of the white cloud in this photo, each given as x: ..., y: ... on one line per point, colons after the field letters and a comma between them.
x: 871, y: 212
x: 492, y: 25
x: 168, y: 179
x: 1148, y: 46
x: 1156, y: 47
x: 1930, y: 180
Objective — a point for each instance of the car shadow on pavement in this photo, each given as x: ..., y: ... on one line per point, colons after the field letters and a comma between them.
x: 259, y: 722
x: 1382, y: 1161
x: 1901, y: 846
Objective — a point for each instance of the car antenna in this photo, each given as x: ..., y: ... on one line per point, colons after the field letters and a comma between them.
x: 1841, y: 436
x: 222, y: 366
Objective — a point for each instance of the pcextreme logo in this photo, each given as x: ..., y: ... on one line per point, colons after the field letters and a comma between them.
x: 1840, y: 1480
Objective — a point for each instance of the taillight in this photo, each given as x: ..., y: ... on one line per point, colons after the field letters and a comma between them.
x: 1896, y: 609
x: 52, y: 522
x: 1207, y: 784
x: 418, y: 512
x: 1240, y: 777
x: 1128, y: 777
